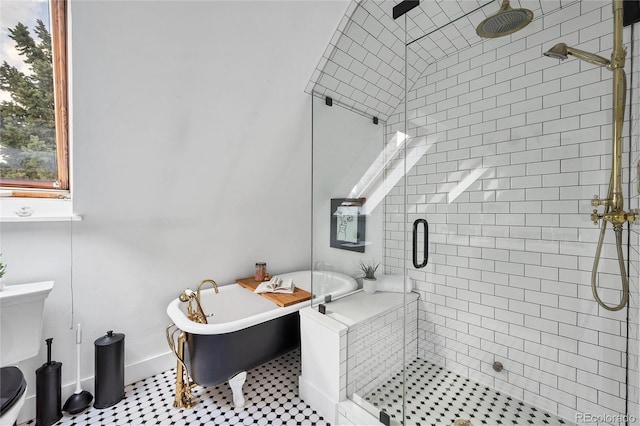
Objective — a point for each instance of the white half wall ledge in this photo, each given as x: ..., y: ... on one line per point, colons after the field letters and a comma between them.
x: 323, y: 362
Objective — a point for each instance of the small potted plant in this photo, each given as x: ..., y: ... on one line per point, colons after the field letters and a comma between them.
x: 3, y: 269
x: 369, y: 276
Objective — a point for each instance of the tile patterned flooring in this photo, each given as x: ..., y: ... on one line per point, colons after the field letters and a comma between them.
x: 271, y: 392
x: 437, y: 397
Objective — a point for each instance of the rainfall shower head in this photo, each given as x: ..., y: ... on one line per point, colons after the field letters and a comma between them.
x: 504, y: 22
x: 562, y: 51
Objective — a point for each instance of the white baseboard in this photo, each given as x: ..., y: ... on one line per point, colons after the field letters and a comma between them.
x: 350, y: 413
x: 132, y: 373
x: 320, y: 401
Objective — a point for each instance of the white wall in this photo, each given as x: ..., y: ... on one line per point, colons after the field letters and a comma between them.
x: 191, y: 145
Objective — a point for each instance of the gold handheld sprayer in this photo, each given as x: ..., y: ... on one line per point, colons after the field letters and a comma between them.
x: 196, y: 314
x: 614, y: 203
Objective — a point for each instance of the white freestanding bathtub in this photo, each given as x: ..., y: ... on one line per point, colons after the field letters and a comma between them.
x: 245, y: 329
x: 236, y: 308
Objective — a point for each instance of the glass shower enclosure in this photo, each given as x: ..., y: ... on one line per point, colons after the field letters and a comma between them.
x: 462, y: 170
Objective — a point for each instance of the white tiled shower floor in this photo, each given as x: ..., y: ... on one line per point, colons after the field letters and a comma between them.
x: 436, y: 396
x: 271, y: 391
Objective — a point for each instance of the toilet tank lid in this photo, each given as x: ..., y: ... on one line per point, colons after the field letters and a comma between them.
x: 25, y: 293
x: 13, y: 385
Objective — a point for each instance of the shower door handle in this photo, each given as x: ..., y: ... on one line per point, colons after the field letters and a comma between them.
x: 415, y: 243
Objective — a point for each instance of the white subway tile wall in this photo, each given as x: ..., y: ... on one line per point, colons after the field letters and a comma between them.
x: 363, y: 66
x: 507, y: 148
x: 518, y: 144
x: 375, y: 348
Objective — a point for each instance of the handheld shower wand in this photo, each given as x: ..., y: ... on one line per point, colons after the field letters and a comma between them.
x: 562, y: 51
x: 614, y: 203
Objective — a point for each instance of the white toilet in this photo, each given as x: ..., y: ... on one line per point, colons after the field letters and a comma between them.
x: 21, y: 309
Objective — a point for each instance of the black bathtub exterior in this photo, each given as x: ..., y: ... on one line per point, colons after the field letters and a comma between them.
x: 215, y: 358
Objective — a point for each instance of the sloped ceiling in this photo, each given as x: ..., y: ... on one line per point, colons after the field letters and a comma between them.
x: 363, y: 66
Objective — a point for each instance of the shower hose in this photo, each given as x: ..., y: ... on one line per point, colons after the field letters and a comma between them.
x: 616, y: 228
x: 623, y: 274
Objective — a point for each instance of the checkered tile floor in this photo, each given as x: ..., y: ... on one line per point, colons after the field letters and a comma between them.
x: 436, y: 396
x: 271, y: 392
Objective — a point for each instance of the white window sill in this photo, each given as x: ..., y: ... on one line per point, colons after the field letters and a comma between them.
x: 42, y: 210
x: 15, y: 219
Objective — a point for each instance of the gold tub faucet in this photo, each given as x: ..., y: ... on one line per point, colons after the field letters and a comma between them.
x: 213, y: 283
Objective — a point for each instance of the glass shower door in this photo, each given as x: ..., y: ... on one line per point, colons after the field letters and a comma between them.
x: 358, y: 201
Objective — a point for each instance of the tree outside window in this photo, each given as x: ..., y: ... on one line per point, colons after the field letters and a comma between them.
x: 33, y: 95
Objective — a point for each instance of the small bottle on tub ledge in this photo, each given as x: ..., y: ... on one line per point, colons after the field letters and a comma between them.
x: 261, y: 271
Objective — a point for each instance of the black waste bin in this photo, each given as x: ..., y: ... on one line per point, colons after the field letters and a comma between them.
x: 109, y: 375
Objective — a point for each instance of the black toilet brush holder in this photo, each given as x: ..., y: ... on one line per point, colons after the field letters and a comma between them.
x: 48, y: 390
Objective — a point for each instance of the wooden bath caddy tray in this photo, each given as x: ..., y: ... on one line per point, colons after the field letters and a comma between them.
x: 280, y: 299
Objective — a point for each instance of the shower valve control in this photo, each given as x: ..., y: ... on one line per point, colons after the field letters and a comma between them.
x: 617, y: 218
x: 596, y: 201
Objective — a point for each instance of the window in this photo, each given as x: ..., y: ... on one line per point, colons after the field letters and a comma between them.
x: 34, y: 153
